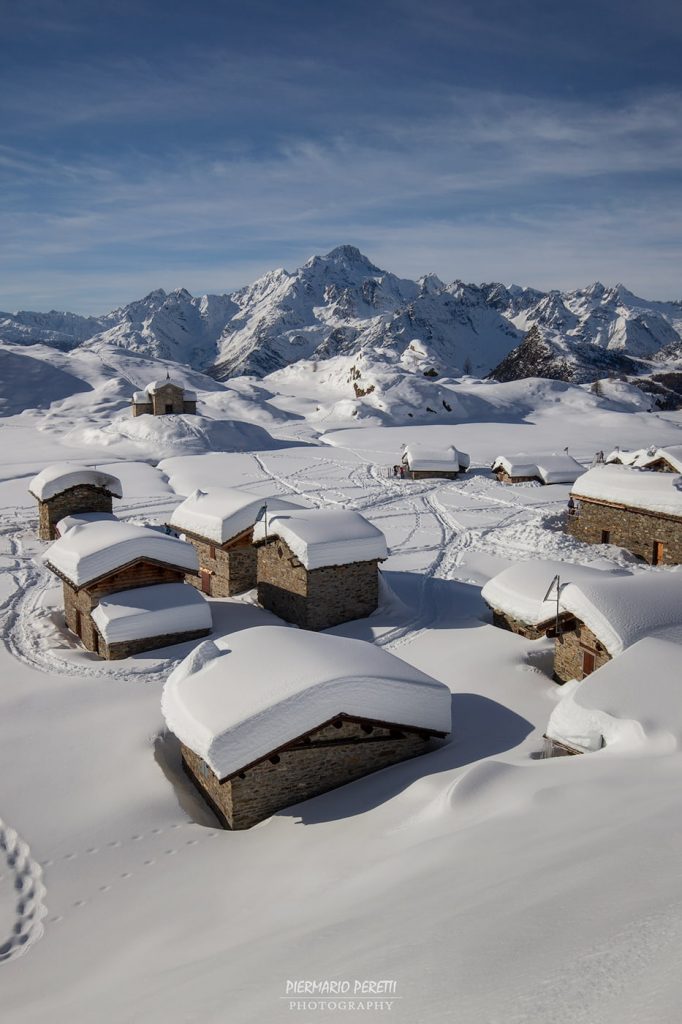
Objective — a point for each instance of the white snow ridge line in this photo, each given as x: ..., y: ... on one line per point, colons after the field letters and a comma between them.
x: 25, y: 874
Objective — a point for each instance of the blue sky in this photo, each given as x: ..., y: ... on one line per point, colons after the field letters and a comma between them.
x: 155, y: 144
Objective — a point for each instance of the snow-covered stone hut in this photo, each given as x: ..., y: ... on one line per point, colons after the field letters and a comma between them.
x: 545, y: 469
x: 623, y: 705
x: 219, y: 524
x: 272, y: 716
x: 604, y: 616
x: 632, y: 508
x: 164, y: 398
x: 516, y: 595
x: 422, y: 461
x: 69, y: 488
x: 123, y: 588
x: 663, y: 460
x: 318, y: 567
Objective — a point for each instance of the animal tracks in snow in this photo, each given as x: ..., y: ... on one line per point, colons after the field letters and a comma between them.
x: 23, y: 895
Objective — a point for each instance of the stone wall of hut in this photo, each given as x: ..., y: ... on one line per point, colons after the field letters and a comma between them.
x: 505, y: 478
x: 82, y: 498
x: 638, y: 531
x: 435, y: 474
x: 531, y: 632
x: 318, y: 598
x: 231, y: 568
x: 569, y: 650
x: 326, y: 758
x: 126, y: 649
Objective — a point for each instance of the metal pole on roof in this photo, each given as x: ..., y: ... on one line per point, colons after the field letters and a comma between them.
x: 556, y: 583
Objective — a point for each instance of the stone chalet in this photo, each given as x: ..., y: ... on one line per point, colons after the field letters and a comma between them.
x: 68, y: 488
x: 272, y: 716
x: 164, y: 398
x: 422, y: 462
x: 624, y: 704
x: 219, y: 524
x: 318, y: 567
x: 516, y: 596
x: 661, y: 460
x: 545, y: 469
x: 632, y: 508
x: 123, y: 588
x: 604, y: 616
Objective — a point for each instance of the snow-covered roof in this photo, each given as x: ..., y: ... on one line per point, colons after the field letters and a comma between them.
x: 620, y: 485
x: 620, y: 610
x: 159, y: 610
x: 237, y: 699
x: 82, y: 519
x: 62, y: 476
x: 324, y: 536
x: 93, y: 550
x: 625, y: 458
x: 551, y: 469
x: 157, y: 385
x: 518, y: 590
x: 222, y: 513
x: 671, y: 454
x: 426, y: 458
x: 625, y: 703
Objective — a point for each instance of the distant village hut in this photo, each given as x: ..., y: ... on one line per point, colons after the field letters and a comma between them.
x: 624, y: 702
x: 423, y: 462
x: 219, y: 524
x: 663, y: 460
x: 123, y: 588
x: 272, y: 716
x: 516, y: 596
x: 68, y: 488
x: 164, y: 398
x: 318, y: 567
x: 605, y: 615
x: 545, y: 469
x: 631, y: 508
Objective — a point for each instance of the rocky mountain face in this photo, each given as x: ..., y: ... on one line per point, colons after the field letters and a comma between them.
x: 342, y: 304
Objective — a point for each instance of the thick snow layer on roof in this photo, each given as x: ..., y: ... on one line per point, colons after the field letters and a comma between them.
x: 156, y: 385
x: 222, y: 512
x: 631, y: 700
x: 82, y: 519
x: 235, y: 700
x: 325, y: 536
x: 655, y: 492
x: 61, y: 476
x: 425, y: 458
x: 518, y: 590
x: 551, y: 469
x: 620, y: 610
x: 94, y: 549
x: 151, y: 611
x: 625, y: 458
x: 672, y: 454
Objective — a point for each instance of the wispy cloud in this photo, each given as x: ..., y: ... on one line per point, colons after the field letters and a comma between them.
x: 486, y: 185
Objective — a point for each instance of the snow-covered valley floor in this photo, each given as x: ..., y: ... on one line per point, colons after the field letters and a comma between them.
x: 489, y: 885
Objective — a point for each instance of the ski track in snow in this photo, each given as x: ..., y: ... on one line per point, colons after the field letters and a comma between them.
x: 24, y: 875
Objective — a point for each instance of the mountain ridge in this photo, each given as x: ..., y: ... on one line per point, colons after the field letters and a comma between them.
x: 341, y: 303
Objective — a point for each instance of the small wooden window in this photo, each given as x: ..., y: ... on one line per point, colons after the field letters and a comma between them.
x: 606, y: 536
x: 78, y: 627
x: 274, y: 759
x: 211, y: 551
x: 588, y: 663
x: 169, y: 408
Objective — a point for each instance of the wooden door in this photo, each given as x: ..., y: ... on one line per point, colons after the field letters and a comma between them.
x: 606, y: 536
x: 588, y: 663
x: 205, y: 576
x: 658, y: 552
x: 78, y: 625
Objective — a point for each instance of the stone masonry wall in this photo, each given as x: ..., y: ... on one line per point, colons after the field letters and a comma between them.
x: 232, y: 566
x: 171, y: 395
x: 569, y: 649
x: 628, y: 528
x: 325, y: 759
x: 426, y: 474
x: 126, y: 649
x: 503, y: 621
x: 82, y: 498
x: 315, y: 599
x: 505, y: 478
x: 85, y: 600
